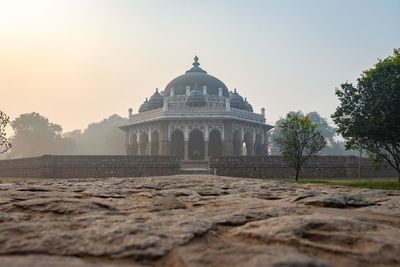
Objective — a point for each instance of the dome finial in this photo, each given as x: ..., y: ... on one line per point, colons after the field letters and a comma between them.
x: 156, y: 90
x: 235, y: 91
x: 196, y: 63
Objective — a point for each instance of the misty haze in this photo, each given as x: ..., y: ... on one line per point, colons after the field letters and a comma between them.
x: 199, y: 133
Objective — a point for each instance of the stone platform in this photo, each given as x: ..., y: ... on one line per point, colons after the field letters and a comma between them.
x: 195, y: 220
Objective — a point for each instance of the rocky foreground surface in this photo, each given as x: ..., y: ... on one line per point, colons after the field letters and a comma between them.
x: 195, y: 220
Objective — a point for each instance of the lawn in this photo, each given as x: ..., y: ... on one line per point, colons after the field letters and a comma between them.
x: 8, y: 180
x: 383, y: 183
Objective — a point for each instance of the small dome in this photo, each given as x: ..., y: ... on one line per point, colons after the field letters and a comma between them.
x: 247, y: 106
x: 196, y: 99
x: 156, y: 100
x: 145, y: 106
x: 237, y: 101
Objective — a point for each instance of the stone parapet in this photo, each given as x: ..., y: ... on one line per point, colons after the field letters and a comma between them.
x: 195, y: 112
x: 71, y: 166
x: 316, y: 167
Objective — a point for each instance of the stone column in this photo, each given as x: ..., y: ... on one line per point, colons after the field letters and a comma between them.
x: 186, y: 138
x: 149, y: 142
x: 250, y: 149
x: 227, y: 143
x: 206, y: 150
x: 264, y: 142
x: 148, y: 148
x: 139, y: 152
x: 186, y: 150
x: 163, y: 138
x: 127, y: 142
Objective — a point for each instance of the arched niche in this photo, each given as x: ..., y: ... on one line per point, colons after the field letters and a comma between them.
x: 259, y: 149
x: 177, y: 146
x: 249, y: 143
x: 237, y: 144
x: 215, y: 143
x: 196, y: 145
x: 133, y: 148
x: 143, y: 143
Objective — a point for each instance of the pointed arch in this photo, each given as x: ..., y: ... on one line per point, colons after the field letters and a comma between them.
x: 249, y: 143
x: 215, y: 143
x: 259, y: 148
x: 143, y: 144
x: 196, y: 145
x: 177, y: 146
x: 133, y: 149
x: 237, y: 143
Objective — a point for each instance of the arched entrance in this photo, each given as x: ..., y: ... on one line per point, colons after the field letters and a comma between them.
x: 249, y: 144
x: 155, y: 148
x: 215, y: 144
x: 177, y: 144
x: 143, y: 144
x: 237, y: 144
x: 196, y: 145
x: 259, y: 147
x: 133, y: 149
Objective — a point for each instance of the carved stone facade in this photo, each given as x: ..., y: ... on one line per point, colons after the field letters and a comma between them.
x: 196, y: 117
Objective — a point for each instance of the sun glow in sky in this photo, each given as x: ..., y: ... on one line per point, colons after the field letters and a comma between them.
x: 77, y: 62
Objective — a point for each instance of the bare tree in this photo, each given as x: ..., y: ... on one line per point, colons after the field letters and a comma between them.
x: 5, y: 145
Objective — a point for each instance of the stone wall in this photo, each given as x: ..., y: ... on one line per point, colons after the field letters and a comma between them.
x: 316, y: 167
x: 50, y: 166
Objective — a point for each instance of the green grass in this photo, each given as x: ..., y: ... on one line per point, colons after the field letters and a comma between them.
x: 384, y: 183
x: 8, y: 180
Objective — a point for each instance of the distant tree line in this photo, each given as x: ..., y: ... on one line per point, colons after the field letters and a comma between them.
x: 34, y: 135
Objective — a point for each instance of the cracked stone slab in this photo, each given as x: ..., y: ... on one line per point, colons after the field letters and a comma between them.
x: 195, y: 220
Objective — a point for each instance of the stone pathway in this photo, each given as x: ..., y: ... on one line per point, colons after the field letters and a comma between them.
x: 195, y: 220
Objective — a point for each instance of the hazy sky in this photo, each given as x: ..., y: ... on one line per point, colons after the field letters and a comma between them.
x: 77, y: 62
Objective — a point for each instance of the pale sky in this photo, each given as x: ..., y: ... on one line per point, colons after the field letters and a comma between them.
x: 77, y: 62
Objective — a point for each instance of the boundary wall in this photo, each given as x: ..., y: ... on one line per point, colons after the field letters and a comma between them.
x: 77, y: 166
x: 316, y: 167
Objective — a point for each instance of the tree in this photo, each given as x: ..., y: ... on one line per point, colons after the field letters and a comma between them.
x: 35, y: 136
x: 298, y: 141
x: 4, y: 143
x: 275, y: 133
x: 369, y: 113
x: 333, y: 146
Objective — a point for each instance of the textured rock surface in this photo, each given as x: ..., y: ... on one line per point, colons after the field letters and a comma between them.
x: 194, y: 220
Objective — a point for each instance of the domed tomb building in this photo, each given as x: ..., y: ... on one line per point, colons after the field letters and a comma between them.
x: 195, y: 117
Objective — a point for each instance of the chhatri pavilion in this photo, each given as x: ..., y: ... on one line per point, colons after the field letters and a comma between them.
x: 195, y: 117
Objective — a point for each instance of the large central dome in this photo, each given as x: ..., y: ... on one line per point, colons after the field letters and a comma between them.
x: 195, y: 78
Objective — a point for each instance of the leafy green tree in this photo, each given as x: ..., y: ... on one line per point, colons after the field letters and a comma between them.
x: 333, y: 147
x: 5, y: 145
x: 275, y: 133
x: 298, y: 140
x: 369, y: 112
x: 35, y: 136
